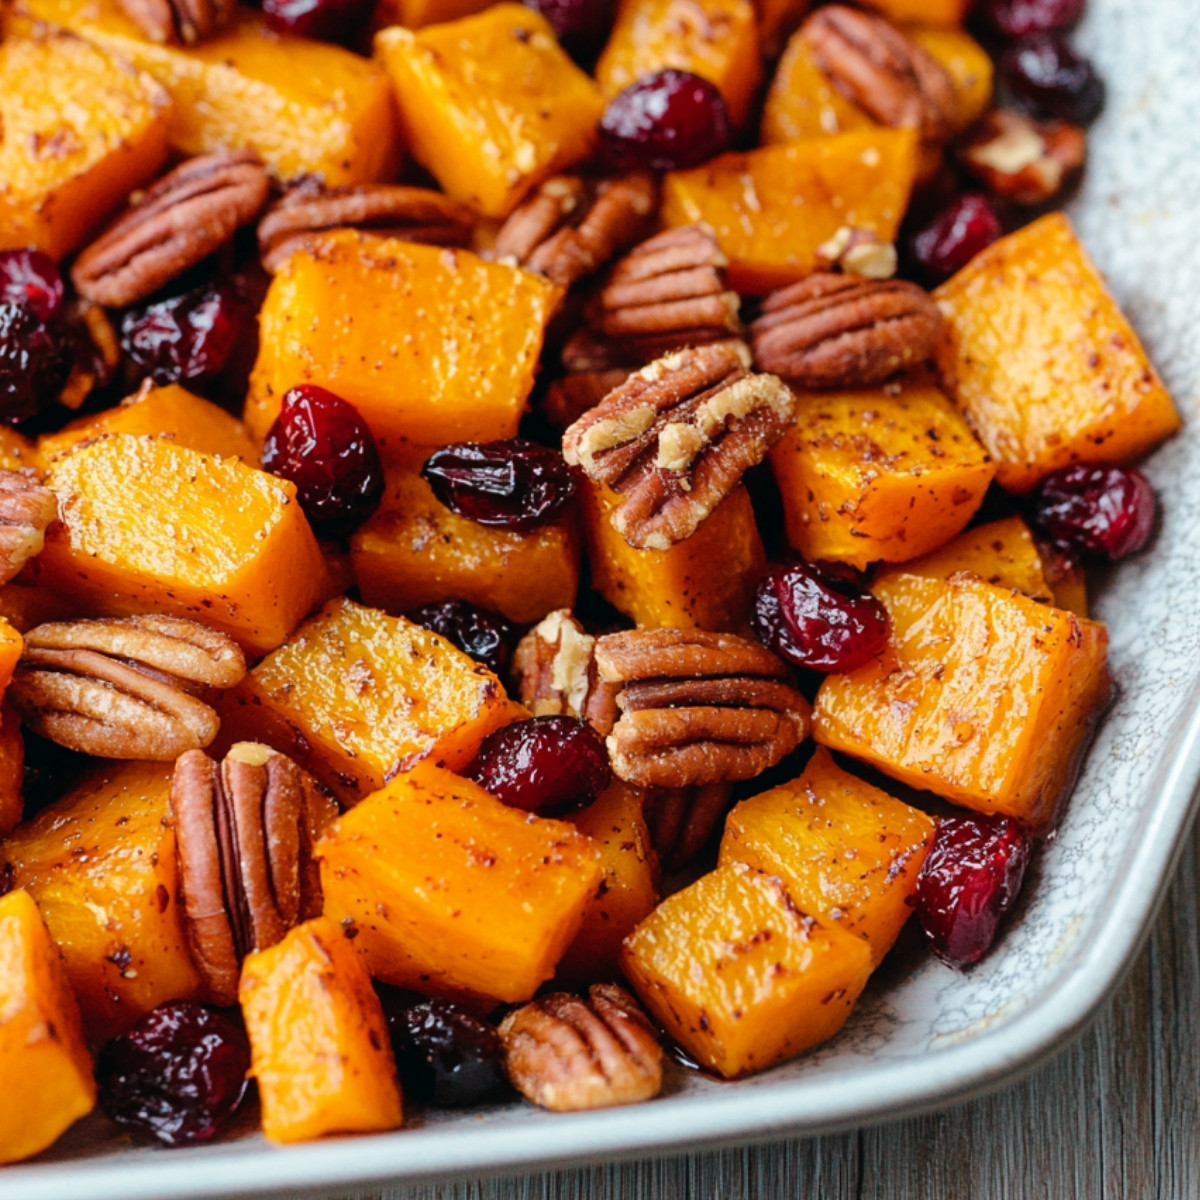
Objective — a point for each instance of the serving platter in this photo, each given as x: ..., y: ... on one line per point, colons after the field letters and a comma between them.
x: 923, y: 1036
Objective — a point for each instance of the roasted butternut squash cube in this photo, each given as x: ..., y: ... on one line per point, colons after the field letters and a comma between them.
x: 101, y: 865
x: 715, y: 39
x: 848, y: 852
x: 923, y: 12
x: 150, y: 526
x: 773, y: 208
x: 450, y: 891
x: 357, y: 696
x: 432, y: 346
x: 491, y: 105
x: 319, y: 1044
x: 46, y: 1081
x: 24, y: 605
x: 416, y: 13
x: 71, y: 152
x: 739, y: 975
x: 879, y: 473
x: 11, y: 644
x: 12, y: 764
x: 982, y: 696
x: 706, y: 581
x: 969, y: 65
x: 18, y: 452
x: 1043, y: 362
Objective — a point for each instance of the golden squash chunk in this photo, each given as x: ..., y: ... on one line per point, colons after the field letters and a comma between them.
x: 1043, y: 362
x: 773, y: 208
x: 12, y: 764
x: 848, y: 852
x: 101, y: 865
x: 319, y: 1045
x: 416, y: 13
x: 739, y: 975
x: 24, y: 605
x: 150, y: 526
x: 923, y: 12
x: 983, y: 696
x: 491, y: 105
x: 969, y: 65
x: 878, y: 474
x: 81, y: 129
x: 46, y: 1081
x: 17, y: 451
x: 11, y: 644
x: 432, y: 346
x: 357, y: 696
x: 451, y: 891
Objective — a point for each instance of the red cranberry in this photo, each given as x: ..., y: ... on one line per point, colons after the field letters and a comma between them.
x: 663, y: 122
x: 1101, y: 512
x: 543, y: 765
x: 29, y: 279
x: 341, y: 21
x: 178, y: 1074
x: 969, y: 881
x: 580, y: 25
x: 324, y: 447
x: 816, y: 621
x: 1051, y: 79
x: 486, y: 636
x: 1017, y: 18
x: 513, y: 484
x: 34, y: 362
x: 966, y: 226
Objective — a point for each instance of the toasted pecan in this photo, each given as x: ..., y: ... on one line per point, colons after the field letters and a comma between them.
x: 26, y: 512
x: 1025, y: 161
x: 179, y: 21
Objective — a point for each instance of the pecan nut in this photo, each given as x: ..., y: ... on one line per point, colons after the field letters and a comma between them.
x: 682, y: 821
x: 568, y: 398
x: 26, y: 511
x: 124, y: 687
x: 182, y: 218
x: 171, y: 22
x: 568, y: 1054
x: 1022, y: 160
x: 841, y: 331
x: 697, y: 708
x: 675, y: 439
x: 858, y: 252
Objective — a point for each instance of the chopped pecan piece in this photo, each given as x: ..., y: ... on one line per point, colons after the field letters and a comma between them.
x: 173, y: 21
x: 568, y: 1054
x: 124, y: 687
x: 676, y: 438
x: 840, y: 331
x: 697, y: 708
x: 26, y: 511
x: 1023, y: 160
x: 682, y: 820
x: 182, y: 218
x: 858, y: 252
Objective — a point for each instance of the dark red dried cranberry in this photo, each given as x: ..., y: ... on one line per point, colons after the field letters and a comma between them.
x: 1052, y: 79
x: 178, y: 1074
x: 1097, y: 511
x: 513, y: 484
x: 663, y: 122
x: 30, y: 279
x: 341, y: 21
x: 816, y: 621
x: 1017, y: 18
x: 543, y: 765
x: 580, y: 25
x: 969, y: 881
x: 958, y: 232
x: 486, y: 636
x: 35, y: 361
x: 322, y: 444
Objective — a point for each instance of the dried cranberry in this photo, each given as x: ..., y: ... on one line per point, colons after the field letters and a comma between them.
x: 29, y: 279
x: 580, y: 25
x: 513, y: 484
x: 178, y: 1074
x: 663, y: 122
x: 1045, y: 74
x: 35, y: 361
x: 1101, y: 512
x: 816, y: 621
x: 1017, y: 18
x: 322, y: 444
x: 543, y: 765
x: 486, y: 636
x: 958, y: 232
x: 969, y: 881
x: 341, y: 21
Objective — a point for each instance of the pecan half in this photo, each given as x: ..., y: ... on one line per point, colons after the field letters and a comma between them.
x: 676, y: 438
x: 175, y: 21
x: 697, y: 708
x: 568, y: 1054
x: 182, y: 218
x: 1023, y: 160
x: 568, y: 398
x: 26, y: 511
x: 682, y: 821
x: 410, y: 213
x: 841, y: 331
x: 124, y: 687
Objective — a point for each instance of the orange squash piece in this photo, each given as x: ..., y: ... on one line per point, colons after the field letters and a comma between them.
x: 982, y: 695
x: 923, y: 12
x: 24, y: 605
x: 773, y: 208
x: 357, y: 696
x: 884, y: 473
x: 417, y: 13
x: 11, y: 644
x: 150, y: 526
x: 17, y: 451
x: 491, y: 105
x: 848, y: 852
x: 450, y: 891
x: 739, y: 975
x: 12, y: 764
x: 46, y: 1081
x: 319, y: 1045
x: 101, y: 865
x: 969, y: 65
x: 432, y: 346
x: 1043, y: 362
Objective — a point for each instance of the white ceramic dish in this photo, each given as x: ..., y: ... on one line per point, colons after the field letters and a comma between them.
x: 930, y: 1036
